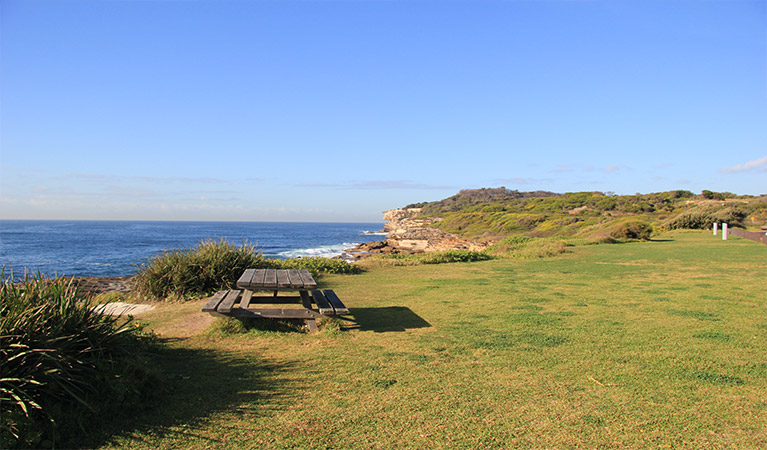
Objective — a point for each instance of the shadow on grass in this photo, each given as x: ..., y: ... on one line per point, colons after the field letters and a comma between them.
x: 192, y: 385
x: 390, y: 318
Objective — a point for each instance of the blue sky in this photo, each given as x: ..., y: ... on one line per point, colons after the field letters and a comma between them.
x: 338, y: 110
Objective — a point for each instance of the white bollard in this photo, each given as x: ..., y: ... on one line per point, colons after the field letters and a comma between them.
x: 724, y: 231
x: 716, y: 226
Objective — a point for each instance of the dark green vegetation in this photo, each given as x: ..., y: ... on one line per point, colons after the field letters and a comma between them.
x: 214, y: 265
x: 497, y: 213
x: 648, y: 344
x: 62, y: 365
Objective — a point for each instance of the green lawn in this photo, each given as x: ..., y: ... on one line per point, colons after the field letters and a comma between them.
x: 658, y: 344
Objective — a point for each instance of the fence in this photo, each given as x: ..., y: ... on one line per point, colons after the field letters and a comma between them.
x: 751, y: 235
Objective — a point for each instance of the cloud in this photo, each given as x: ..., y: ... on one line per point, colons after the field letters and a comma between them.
x: 563, y: 169
x: 757, y: 165
x: 378, y: 184
x: 150, y: 179
x: 611, y: 169
x: 522, y: 181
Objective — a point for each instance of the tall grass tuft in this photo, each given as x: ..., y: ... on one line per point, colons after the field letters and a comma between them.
x: 62, y: 363
x: 212, y: 265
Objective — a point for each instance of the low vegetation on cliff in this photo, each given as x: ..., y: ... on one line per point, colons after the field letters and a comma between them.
x: 493, y: 214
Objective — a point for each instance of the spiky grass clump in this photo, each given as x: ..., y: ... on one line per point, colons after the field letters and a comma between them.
x: 212, y: 265
x: 62, y: 364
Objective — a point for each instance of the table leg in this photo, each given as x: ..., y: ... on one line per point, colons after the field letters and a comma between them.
x: 307, y: 302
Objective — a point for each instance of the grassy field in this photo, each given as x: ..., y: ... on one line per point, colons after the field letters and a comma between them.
x: 658, y: 344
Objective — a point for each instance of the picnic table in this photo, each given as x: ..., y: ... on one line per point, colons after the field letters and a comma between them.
x: 242, y: 303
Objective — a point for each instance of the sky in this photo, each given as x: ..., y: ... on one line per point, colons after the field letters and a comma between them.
x: 251, y: 110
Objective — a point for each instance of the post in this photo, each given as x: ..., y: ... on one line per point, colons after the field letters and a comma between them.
x: 724, y: 231
x: 716, y: 226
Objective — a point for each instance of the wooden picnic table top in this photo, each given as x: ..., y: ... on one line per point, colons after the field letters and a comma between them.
x: 273, y: 279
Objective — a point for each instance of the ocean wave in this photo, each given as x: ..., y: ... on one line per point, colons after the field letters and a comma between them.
x: 327, y: 251
x: 374, y: 233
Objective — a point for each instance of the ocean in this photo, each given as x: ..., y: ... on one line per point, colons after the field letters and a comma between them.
x: 116, y: 248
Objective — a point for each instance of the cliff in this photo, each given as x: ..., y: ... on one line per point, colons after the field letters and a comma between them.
x: 408, y: 233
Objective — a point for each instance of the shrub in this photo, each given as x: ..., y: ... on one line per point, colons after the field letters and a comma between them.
x: 319, y: 265
x: 509, y: 244
x: 631, y: 230
x: 440, y: 257
x: 217, y: 264
x: 63, y: 364
x: 701, y: 217
x: 212, y: 265
x: 540, y: 248
x: 451, y: 256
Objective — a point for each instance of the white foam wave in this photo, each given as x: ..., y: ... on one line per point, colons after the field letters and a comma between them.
x: 327, y: 251
x: 374, y: 233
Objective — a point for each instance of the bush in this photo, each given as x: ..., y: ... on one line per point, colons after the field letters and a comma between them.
x: 318, y: 265
x: 540, y: 248
x: 441, y: 257
x: 509, y: 244
x: 63, y: 364
x: 451, y: 256
x: 215, y: 265
x: 631, y: 230
x: 212, y: 265
x: 701, y: 217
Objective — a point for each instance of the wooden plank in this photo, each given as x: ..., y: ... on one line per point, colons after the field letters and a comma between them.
x: 306, y: 279
x: 244, y: 281
x: 212, y: 304
x: 257, y: 282
x: 283, y: 280
x: 271, y: 300
x: 246, y: 296
x: 270, y: 278
x: 322, y: 303
x: 225, y: 307
x: 305, y: 299
x: 276, y: 313
x: 338, y: 306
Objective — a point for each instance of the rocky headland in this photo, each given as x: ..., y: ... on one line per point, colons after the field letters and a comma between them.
x: 408, y: 233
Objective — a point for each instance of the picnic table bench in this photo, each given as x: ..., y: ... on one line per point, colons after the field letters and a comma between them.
x: 242, y: 303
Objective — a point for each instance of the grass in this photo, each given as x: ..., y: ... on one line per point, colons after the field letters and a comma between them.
x: 62, y: 364
x: 657, y: 344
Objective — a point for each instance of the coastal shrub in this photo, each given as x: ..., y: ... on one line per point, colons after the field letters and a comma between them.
x: 217, y: 264
x: 524, y: 247
x: 62, y: 364
x: 509, y: 244
x: 701, y: 217
x: 212, y: 265
x: 631, y: 230
x: 451, y: 256
x: 441, y: 257
x: 540, y: 248
x: 319, y: 265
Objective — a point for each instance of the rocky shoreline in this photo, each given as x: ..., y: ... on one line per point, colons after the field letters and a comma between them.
x: 407, y: 233
x: 100, y: 285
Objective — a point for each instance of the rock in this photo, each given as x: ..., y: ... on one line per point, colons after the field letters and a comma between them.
x: 408, y: 233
